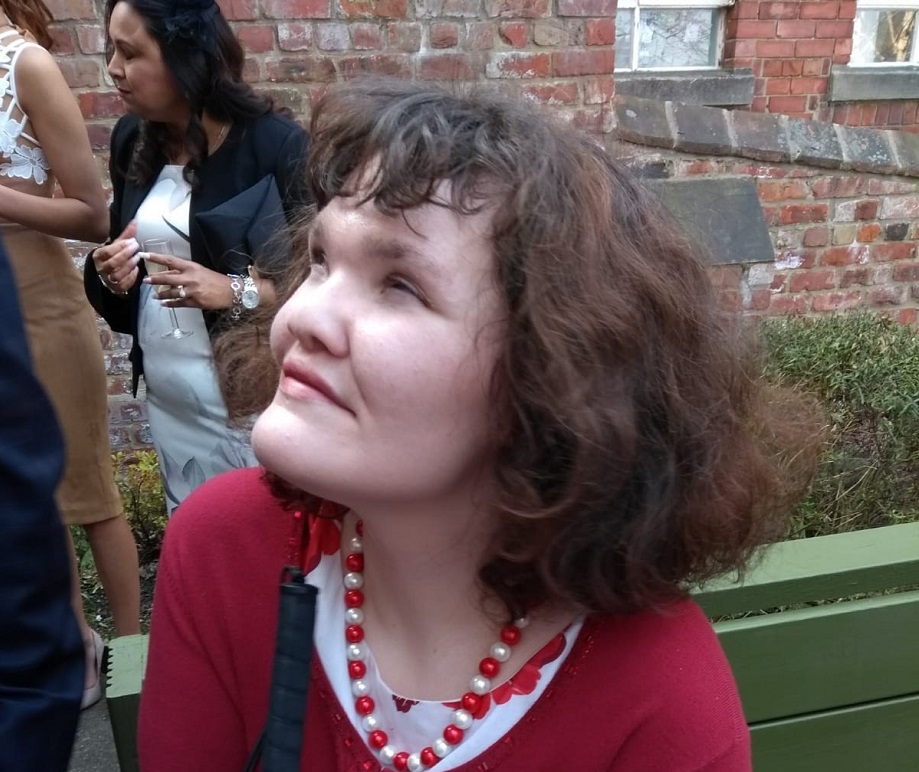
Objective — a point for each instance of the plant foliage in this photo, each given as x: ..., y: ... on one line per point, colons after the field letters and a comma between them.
x: 864, y: 370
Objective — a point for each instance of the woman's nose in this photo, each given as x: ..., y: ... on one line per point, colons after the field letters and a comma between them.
x: 318, y: 313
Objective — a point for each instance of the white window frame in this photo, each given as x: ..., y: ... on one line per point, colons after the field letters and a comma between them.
x: 718, y: 30
x: 889, y: 5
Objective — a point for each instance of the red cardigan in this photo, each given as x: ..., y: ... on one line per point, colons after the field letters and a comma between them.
x: 649, y: 692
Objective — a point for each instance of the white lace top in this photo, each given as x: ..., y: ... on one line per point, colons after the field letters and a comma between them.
x: 20, y: 153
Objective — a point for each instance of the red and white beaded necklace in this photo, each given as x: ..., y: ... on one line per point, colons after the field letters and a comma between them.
x: 479, y: 685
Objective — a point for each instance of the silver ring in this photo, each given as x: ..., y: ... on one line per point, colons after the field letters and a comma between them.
x: 181, y: 292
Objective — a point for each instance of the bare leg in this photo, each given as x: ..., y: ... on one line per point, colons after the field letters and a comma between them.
x: 76, y: 600
x: 115, y: 555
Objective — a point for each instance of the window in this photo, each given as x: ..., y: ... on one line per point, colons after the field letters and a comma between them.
x: 669, y: 34
x: 885, y: 33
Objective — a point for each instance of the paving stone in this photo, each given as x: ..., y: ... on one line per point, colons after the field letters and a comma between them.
x: 643, y: 121
x: 815, y: 143
x: 760, y: 136
x: 868, y: 150
x: 702, y: 130
x: 906, y: 146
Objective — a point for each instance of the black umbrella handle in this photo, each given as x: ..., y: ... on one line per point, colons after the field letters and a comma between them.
x: 281, y: 742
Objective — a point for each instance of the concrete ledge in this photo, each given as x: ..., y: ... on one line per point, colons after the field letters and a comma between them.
x: 873, y: 84
x: 719, y: 88
x: 764, y: 137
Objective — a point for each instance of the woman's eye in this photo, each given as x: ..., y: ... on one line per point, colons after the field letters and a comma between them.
x: 403, y: 285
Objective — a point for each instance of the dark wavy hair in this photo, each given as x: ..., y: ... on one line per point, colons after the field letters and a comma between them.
x: 31, y: 15
x: 638, y: 449
x: 206, y: 60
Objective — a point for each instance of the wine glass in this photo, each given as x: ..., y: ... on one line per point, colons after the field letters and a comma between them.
x: 163, y: 247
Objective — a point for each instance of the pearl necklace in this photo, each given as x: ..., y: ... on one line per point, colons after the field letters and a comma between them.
x: 471, y: 701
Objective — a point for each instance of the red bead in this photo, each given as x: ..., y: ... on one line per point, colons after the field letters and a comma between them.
x: 357, y: 669
x: 378, y: 739
x: 363, y: 705
x: 489, y: 667
x: 471, y: 702
x: 400, y: 761
x: 354, y: 598
x: 429, y: 757
x: 354, y: 633
x: 359, y: 527
x: 510, y: 635
x: 354, y: 562
x: 453, y: 734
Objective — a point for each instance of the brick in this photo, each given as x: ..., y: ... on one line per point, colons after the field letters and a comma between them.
x: 62, y: 41
x: 771, y: 68
x: 880, y: 187
x: 907, y: 315
x: 898, y: 250
x: 295, y: 37
x: 787, y: 104
x: 855, y: 277
x: 794, y: 28
x: 814, y: 67
x: 81, y: 73
x: 374, y: 9
x: 819, y: 9
x: 404, y: 37
x: 449, y: 67
x: 786, y: 10
x: 62, y: 10
x: 480, y: 36
x: 788, y: 305
x: 808, y: 85
x: 518, y: 65
x: 536, y: 9
x: 601, y: 32
x: 443, y: 9
x: 866, y: 209
x: 513, y: 33
x: 782, y: 190
x: 443, y: 35
x: 240, y: 10
x: 100, y: 135
x: 550, y: 33
x: 296, y: 9
x: 837, y: 301
x: 845, y: 234
x: 333, y: 36
x: 847, y: 9
x: 755, y: 29
x: 300, y: 69
x: 598, y: 90
x: 366, y: 36
x: 95, y: 104
x: 775, y: 49
x: 809, y: 281
x: 802, y: 213
x: 854, y: 254
x: 886, y: 296
x: 778, y: 86
x: 91, y: 39
x: 793, y: 67
x: 906, y: 272
x: 552, y: 93
x: 597, y: 8
x: 833, y: 29
x: 868, y: 233
x: 396, y: 65
x: 816, y: 237
x: 808, y: 48
x: 256, y: 38
x: 759, y: 300
x: 896, y: 231
x: 570, y: 63
x: 899, y: 207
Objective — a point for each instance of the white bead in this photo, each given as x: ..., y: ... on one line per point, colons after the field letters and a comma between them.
x: 462, y: 719
x: 355, y: 616
x: 415, y: 763
x: 522, y: 622
x: 356, y: 544
x: 501, y: 652
x: 441, y: 747
x: 369, y: 722
x: 359, y: 687
x: 387, y: 754
x: 355, y: 652
x: 354, y: 580
x: 480, y: 685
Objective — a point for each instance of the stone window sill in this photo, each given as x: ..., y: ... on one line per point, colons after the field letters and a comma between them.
x: 713, y: 88
x: 873, y: 84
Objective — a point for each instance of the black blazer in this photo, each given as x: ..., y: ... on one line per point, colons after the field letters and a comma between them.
x: 268, y: 145
x: 41, y: 650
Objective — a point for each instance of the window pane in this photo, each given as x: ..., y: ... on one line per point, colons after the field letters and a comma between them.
x: 673, y: 37
x: 882, y: 36
x: 624, y: 39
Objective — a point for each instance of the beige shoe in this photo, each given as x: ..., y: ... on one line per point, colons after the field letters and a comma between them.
x: 92, y: 694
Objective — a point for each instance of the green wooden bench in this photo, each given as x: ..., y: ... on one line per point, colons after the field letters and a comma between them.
x: 827, y: 688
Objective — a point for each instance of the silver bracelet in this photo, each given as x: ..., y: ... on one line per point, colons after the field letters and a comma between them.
x: 236, y: 284
x: 118, y: 292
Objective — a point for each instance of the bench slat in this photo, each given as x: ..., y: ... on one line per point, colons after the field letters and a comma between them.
x: 824, y: 657
x: 876, y: 737
x: 820, y: 568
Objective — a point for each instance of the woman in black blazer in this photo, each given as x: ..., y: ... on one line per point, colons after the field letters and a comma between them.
x: 204, y: 163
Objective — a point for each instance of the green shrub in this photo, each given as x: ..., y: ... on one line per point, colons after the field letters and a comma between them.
x: 865, y: 371
x: 138, y: 478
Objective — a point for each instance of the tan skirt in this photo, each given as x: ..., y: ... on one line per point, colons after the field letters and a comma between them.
x: 64, y: 341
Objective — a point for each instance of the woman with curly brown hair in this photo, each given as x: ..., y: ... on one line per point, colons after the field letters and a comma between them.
x: 511, y: 427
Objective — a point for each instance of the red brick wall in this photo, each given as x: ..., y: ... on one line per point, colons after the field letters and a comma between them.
x: 791, y: 46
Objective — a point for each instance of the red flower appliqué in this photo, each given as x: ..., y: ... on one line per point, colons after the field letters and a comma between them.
x: 403, y: 705
x: 324, y: 538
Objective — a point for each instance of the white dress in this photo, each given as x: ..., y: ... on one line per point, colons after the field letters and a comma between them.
x: 187, y: 414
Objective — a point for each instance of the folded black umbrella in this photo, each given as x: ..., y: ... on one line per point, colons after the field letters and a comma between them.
x: 249, y: 228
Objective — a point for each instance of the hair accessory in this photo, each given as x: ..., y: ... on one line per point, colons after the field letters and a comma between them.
x: 192, y: 22
x: 471, y: 701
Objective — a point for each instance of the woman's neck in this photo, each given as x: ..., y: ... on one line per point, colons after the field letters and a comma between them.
x: 214, y: 130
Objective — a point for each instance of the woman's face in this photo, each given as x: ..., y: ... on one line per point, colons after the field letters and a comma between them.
x: 387, y: 352
x: 137, y: 68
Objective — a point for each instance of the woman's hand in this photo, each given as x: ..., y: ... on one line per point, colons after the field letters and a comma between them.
x: 116, y: 263
x: 187, y: 284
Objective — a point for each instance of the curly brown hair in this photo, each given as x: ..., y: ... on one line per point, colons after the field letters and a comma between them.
x: 638, y: 450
